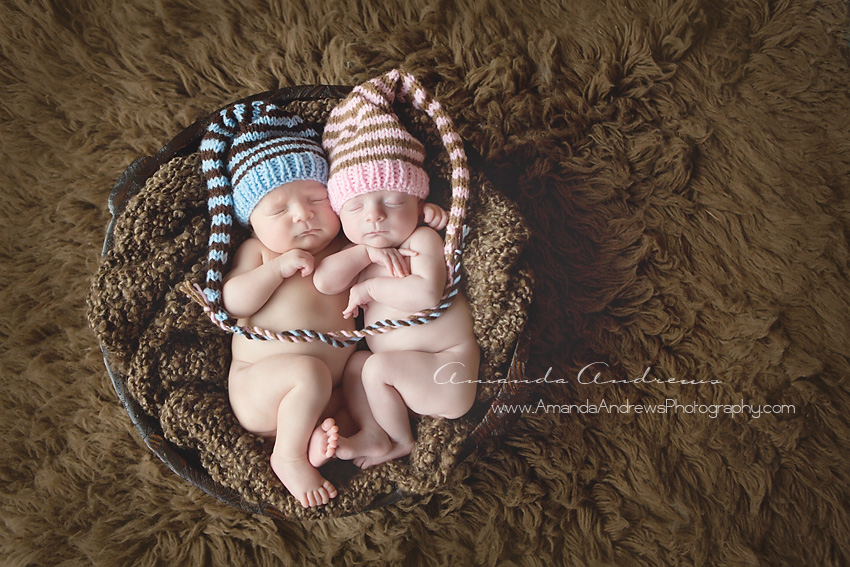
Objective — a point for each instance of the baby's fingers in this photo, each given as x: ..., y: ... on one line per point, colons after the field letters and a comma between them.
x: 350, y: 311
x: 399, y: 268
x: 389, y: 263
x: 309, y: 264
x: 404, y: 270
x: 441, y: 221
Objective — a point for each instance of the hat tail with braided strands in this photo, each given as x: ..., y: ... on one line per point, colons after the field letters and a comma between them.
x: 247, y: 152
x: 394, y: 86
x: 400, y: 86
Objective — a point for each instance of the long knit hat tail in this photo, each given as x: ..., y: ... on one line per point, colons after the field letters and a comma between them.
x: 247, y: 151
x: 369, y: 149
x: 400, y: 86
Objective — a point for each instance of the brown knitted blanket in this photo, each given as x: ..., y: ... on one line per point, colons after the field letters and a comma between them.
x: 175, y: 366
x: 682, y: 167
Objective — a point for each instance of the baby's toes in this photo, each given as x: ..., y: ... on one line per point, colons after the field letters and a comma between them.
x: 330, y: 488
x: 328, y: 424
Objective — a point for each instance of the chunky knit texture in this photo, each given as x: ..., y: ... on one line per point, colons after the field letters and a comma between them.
x: 374, y: 149
x: 683, y: 167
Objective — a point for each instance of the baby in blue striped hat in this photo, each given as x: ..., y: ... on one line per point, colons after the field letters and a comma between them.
x: 266, y: 167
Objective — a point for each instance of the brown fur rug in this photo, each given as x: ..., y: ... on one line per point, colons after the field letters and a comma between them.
x: 685, y: 170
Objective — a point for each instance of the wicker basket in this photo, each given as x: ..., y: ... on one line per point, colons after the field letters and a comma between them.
x: 168, y: 363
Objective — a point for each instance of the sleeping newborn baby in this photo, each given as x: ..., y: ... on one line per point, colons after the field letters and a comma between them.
x: 278, y: 173
x: 394, y: 268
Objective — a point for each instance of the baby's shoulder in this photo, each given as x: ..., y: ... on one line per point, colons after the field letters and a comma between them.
x: 252, y: 252
x: 425, y: 239
x: 251, y: 246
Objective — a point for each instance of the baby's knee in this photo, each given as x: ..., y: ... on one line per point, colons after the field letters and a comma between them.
x: 305, y: 364
x: 313, y: 374
x: 376, y: 370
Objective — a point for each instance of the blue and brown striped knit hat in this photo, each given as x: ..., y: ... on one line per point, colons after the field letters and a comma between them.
x: 247, y: 151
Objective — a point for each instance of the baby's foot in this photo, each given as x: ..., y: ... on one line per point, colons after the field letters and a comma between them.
x: 303, y: 481
x: 323, y: 443
x: 365, y: 443
x: 398, y: 450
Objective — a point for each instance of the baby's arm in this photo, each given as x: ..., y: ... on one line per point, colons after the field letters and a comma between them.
x: 422, y: 289
x: 251, y: 282
x: 337, y: 272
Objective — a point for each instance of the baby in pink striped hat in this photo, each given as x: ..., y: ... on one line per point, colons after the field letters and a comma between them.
x: 393, y: 268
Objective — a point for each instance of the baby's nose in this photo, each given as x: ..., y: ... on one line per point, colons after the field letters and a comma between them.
x: 301, y: 212
x: 375, y: 213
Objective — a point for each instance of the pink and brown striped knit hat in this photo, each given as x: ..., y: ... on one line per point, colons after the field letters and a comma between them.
x: 367, y: 146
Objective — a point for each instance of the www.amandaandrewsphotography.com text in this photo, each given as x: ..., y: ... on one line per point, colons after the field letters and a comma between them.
x: 594, y: 374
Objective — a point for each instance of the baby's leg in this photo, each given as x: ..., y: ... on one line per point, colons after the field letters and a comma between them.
x: 285, y: 395
x: 323, y: 442
x: 369, y: 440
x: 397, y: 380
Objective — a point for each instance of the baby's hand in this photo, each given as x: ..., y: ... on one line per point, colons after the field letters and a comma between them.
x: 295, y: 261
x: 435, y: 216
x: 358, y: 296
x: 392, y: 259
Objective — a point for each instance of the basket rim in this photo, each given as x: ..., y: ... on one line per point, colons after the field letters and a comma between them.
x: 487, y: 424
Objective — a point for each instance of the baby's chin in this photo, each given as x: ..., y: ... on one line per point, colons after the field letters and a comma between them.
x: 380, y: 241
x: 315, y: 244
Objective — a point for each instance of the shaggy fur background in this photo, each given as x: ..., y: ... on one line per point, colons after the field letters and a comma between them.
x: 684, y: 166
